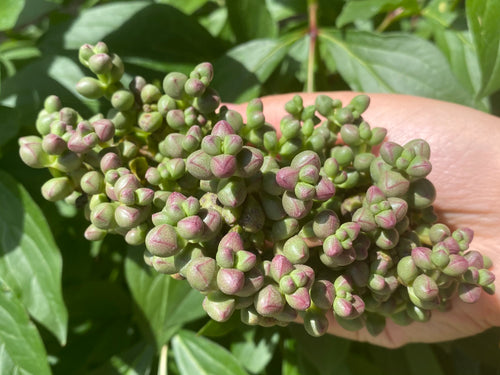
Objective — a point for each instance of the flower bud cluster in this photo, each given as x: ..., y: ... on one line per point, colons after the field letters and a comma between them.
x: 306, y: 223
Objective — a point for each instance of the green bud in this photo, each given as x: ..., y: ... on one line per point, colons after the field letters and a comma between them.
x: 296, y: 250
x: 425, y: 288
x: 57, y: 188
x: 100, y: 63
x: 218, y: 306
x: 162, y: 241
x: 91, y: 88
x: 32, y: 153
x: 173, y: 85
x: 407, y: 270
x: 122, y: 100
x: 201, y: 274
x: 150, y: 121
x: 284, y: 229
x: 194, y: 87
x: 269, y: 301
x: 208, y: 102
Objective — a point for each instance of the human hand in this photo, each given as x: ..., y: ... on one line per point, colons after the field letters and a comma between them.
x: 465, y: 155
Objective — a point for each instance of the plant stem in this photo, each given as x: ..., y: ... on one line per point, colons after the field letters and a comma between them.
x: 313, y: 34
x: 162, y: 365
x: 389, y: 18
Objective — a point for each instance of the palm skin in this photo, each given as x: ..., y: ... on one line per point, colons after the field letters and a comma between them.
x: 465, y: 146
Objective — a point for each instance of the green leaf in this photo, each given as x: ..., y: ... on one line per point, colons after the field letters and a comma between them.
x: 166, y: 303
x: 21, y: 348
x: 282, y: 9
x: 50, y: 75
x: 365, y: 9
x: 241, y: 71
x: 9, y: 13
x: 422, y: 359
x: 458, y: 49
x: 9, y: 125
x: 325, y: 353
x: 133, y: 361
x: 188, y: 7
x: 393, y: 63
x: 169, y: 34
x: 250, y: 19
x: 442, y: 12
x: 393, y: 361
x: 255, y: 348
x: 290, y: 365
x: 30, y: 261
x: 198, y: 355
x: 482, y: 18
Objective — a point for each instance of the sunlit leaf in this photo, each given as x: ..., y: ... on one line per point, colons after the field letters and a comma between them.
x: 30, y: 262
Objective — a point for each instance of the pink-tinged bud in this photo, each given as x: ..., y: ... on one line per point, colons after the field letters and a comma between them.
x: 469, y: 293
x: 365, y: 219
x: 198, y: 164
x: 254, y: 280
x: 127, y: 181
x: 223, y: 166
x: 390, y: 152
x: 474, y: 258
x: 32, y: 152
x: 399, y: 207
x: 464, y: 237
x: 457, y: 265
x: 162, y: 241
x: 164, y: 265
x: 218, y: 306
x: 451, y: 245
x: 299, y: 300
x: 57, y: 188
x: 422, y: 258
x: 304, y: 191
x: 374, y: 195
x: 222, y: 128
x: 325, y: 189
x: 269, y: 301
x: 190, y: 228
x: 225, y: 257
x: 343, y: 283
x: 393, y: 184
x: 245, y: 260
x: 92, y: 233
x: 280, y: 266
x: 104, y: 129
x: 53, y: 144
x: 287, y: 178
x: 230, y: 281
x: 343, y: 307
x: 201, y: 273
x: 419, y: 167
x: 306, y: 158
x: 232, y: 240
x: 485, y: 277
x: 303, y: 275
x: 295, y: 207
x: 287, y: 285
x: 386, y: 219
x: 103, y: 216
x: 425, y: 288
x: 332, y: 246
x: 110, y: 161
